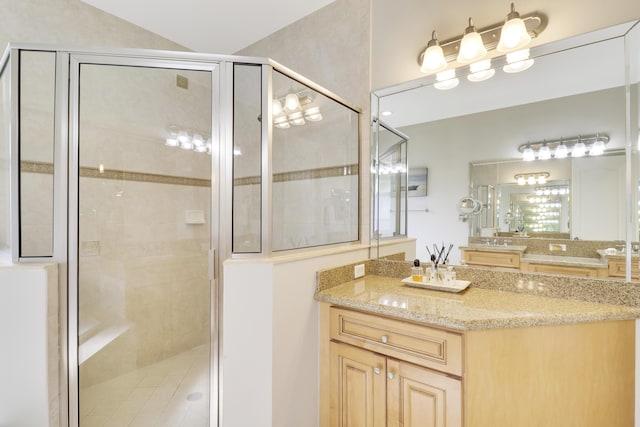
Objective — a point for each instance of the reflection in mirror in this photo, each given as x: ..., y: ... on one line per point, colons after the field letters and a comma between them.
x: 315, y: 167
x: 390, y: 179
x: 485, y: 124
x: 5, y: 120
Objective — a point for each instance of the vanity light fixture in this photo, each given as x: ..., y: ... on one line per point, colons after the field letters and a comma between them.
x: 510, y: 36
x: 577, y: 146
x: 532, y: 178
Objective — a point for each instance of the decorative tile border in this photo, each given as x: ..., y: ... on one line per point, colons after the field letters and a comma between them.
x: 329, y: 172
x: 120, y: 175
x: 86, y: 172
x: 36, y: 167
x: 143, y: 177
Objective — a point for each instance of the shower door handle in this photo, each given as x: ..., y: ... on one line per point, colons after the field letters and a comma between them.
x: 212, y: 264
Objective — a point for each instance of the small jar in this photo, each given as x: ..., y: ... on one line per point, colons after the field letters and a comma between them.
x: 416, y: 274
x: 449, y: 276
x: 433, y: 275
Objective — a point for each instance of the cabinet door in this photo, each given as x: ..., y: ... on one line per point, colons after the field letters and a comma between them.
x: 358, y: 387
x: 418, y: 397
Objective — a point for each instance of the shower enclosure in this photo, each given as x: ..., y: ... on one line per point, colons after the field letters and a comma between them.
x: 139, y: 172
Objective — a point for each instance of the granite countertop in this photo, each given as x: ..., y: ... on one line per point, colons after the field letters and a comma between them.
x: 472, y: 309
x: 491, y: 248
x: 574, y: 261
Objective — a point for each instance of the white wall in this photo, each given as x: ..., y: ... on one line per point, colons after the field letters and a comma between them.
x: 270, y: 329
x: 29, y: 394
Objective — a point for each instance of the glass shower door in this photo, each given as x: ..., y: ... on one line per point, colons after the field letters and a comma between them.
x: 144, y: 239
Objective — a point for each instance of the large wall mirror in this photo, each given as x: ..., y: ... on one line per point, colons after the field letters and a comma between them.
x: 472, y: 140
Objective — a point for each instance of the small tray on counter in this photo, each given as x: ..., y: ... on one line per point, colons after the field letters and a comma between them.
x: 456, y: 286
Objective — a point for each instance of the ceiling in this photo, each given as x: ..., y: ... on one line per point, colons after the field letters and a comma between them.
x: 211, y: 26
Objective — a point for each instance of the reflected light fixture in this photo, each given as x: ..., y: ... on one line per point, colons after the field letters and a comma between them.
x: 446, y: 80
x: 561, y: 150
x: 528, y: 155
x: 513, y: 35
x: 481, y: 71
x: 180, y: 139
x: 518, y: 61
x: 532, y: 178
x: 577, y: 146
x: 298, y: 109
x: 291, y: 102
x: 471, y: 47
x: 544, y: 153
x: 433, y: 57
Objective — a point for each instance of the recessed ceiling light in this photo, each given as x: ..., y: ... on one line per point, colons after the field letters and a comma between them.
x: 386, y: 113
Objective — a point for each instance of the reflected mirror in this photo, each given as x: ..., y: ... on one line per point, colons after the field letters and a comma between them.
x: 473, y: 139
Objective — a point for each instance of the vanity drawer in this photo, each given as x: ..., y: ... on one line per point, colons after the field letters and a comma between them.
x: 425, y: 346
x: 618, y: 268
x: 493, y: 259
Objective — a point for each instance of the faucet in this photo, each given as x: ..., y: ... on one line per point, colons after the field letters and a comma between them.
x: 495, y: 242
x: 506, y: 242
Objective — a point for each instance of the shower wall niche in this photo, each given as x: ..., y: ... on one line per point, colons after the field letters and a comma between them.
x: 141, y: 172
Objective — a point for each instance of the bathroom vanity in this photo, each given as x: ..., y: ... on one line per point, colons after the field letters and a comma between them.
x: 394, y: 355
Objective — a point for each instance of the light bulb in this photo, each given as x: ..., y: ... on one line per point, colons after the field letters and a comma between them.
x: 521, y: 180
x: 296, y: 118
x: 561, y: 151
x: 531, y: 180
x: 471, y: 47
x: 276, y: 107
x: 281, y: 122
x: 292, y: 102
x: 579, y: 150
x: 446, y: 80
x: 197, y: 140
x: 544, y: 153
x: 528, y: 155
x: 171, y: 142
x: 597, y: 148
x: 542, y: 179
x: 433, y: 58
x: 514, y: 33
x: 313, y: 114
x: 186, y: 145
x: 480, y: 71
x: 183, y: 136
x: 518, y: 61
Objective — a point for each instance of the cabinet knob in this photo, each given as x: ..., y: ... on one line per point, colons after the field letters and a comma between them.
x: 390, y: 375
x: 377, y: 371
x: 384, y: 339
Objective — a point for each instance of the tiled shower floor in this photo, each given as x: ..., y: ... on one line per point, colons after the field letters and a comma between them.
x: 174, y: 392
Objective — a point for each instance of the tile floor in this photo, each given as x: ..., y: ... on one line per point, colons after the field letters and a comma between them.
x: 170, y: 393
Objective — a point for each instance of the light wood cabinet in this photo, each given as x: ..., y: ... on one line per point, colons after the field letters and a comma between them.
x: 491, y: 258
x: 566, y: 375
x: 618, y: 268
x: 571, y: 270
x: 371, y: 390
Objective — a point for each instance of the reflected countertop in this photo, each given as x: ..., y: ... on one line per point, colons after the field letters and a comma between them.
x: 472, y: 309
